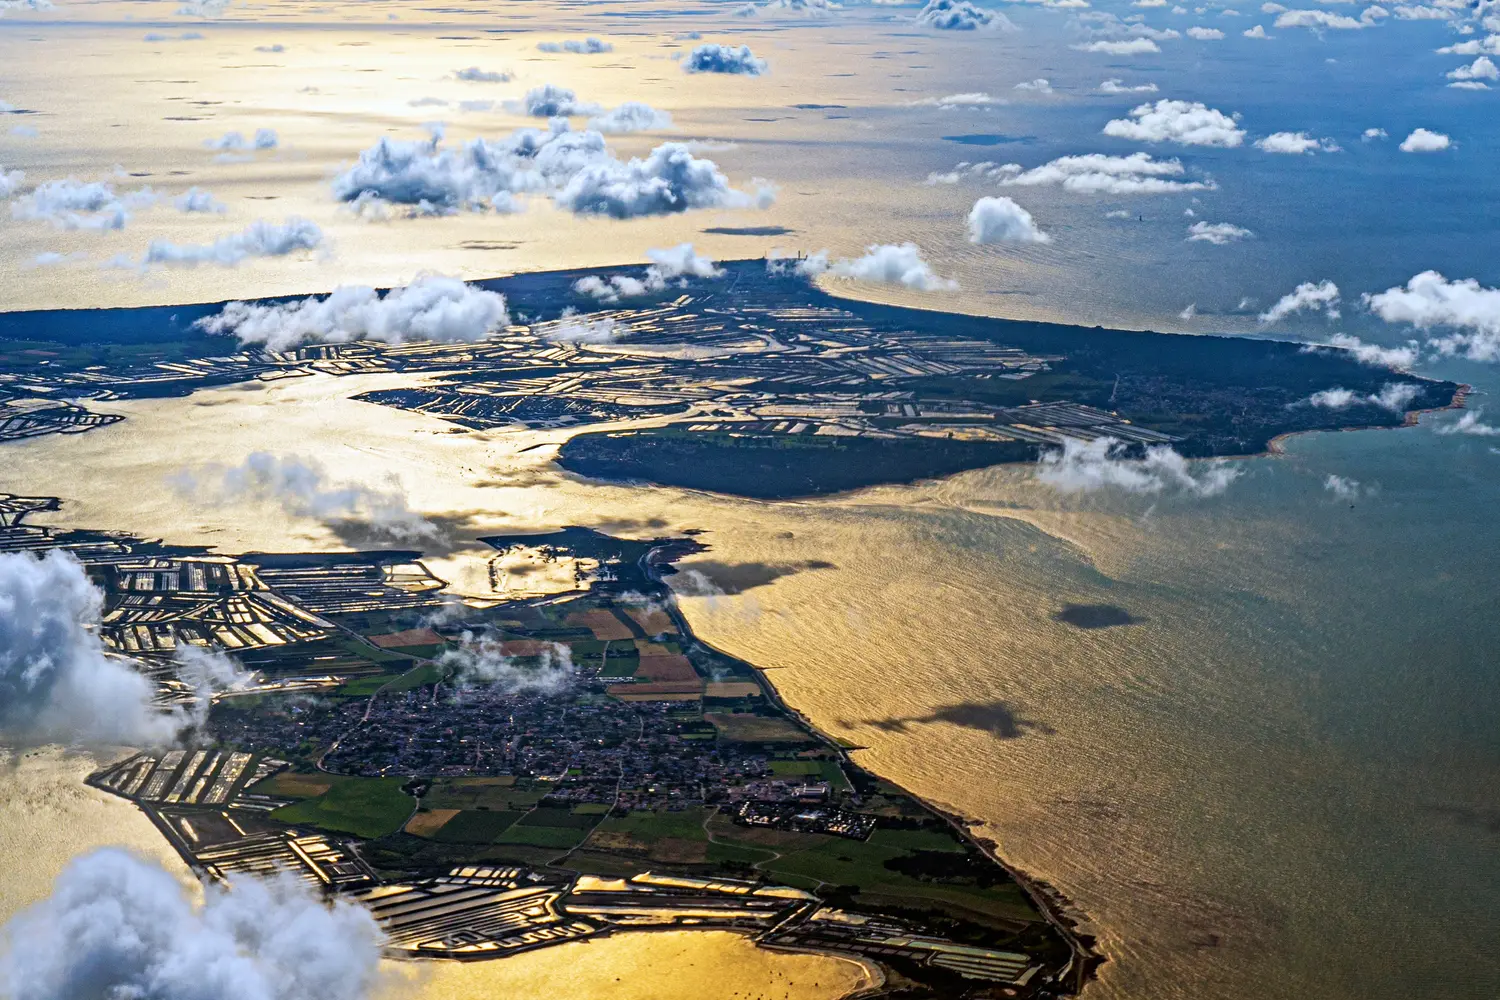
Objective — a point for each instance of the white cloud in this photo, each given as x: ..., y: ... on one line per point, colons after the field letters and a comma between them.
x: 1258, y: 31
x: 1339, y: 486
x: 1129, y: 47
x: 1001, y: 220
x: 1483, y: 68
x: 473, y: 74
x: 1374, y: 134
x: 119, y: 926
x: 11, y: 181
x: 971, y: 99
x: 259, y: 239
x: 57, y: 683
x: 301, y: 488
x: 1307, y: 296
x: 667, y: 266
x: 31, y: 5
x: 575, y: 168
x: 1488, y: 45
x: 195, y: 199
x: 1318, y: 20
x: 1090, y: 466
x: 1375, y: 354
x: 585, y: 47
x: 960, y: 15
x: 1041, y: 85
x: 1295, y: 144
x: 478, y: 662
x: 892, y: 264
x: 1394, y: 396
x: 1429, y: 300
x: 235, y: 142
x: 1217, y: 233
x: 710, y: 58
x: 575, y: 329
x: 1097, y: 173
x: 431, y: 308
x: 1185, y: 123
x: 1422, y: 12
x: 1117, y: 86
x: 548, y: 101
x: 75, y: 204
x: 1205, y: 34
x: 1470, y: 423
x: 632, y: 116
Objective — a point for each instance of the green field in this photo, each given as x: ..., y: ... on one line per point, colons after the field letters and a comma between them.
x: 365, y: 807
x: 561, y: 838
x: 476, y: 826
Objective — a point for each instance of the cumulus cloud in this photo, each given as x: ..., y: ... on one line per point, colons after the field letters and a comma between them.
x: 1429, y: 300
x: 195, y: 199
x: 1258, y: 31
x: 1205, y: 34
x: 119, y: 926
x: 473, y: 74
x: 1117, y: 86
x: 1483, y: 68
x: 1120, y: 47
x: 301, y: 488
x: 1097, y: 173
x: 1183, y: 122
x: 575, y: 168
x: 1394, y: 396
x: 1001, y: 220
x: 970, y: 99
x: 1342, y: 487
x: 431, y: 308
x: 1295, y: 144
x: 259, y: 239
x: 1376, y: 354
x: 11, y: 181
x: 1090, y: 466
x: 1423, y: 141
x: 1318, y: 20
x: 1471, y: 422
x: 75, y: 204
x: 1040, y: 85
x: 548, y: 101
x: 587, y: 46
x: 667, y: 266
x: 891, y: 264
x: 1374, y: 135
x: 57, y: 683
x: 712, y: 58
x: 1490, y: 45
x: 960, y: 15
x: 235, y: 142
x: 10, y: 5
x: 575, y: 329
x: 632, y: 116
x: 478, y: 662
x: 1307, y: 296
x: 1217, y: 233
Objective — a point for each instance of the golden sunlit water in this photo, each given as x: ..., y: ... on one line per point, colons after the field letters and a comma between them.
x: 1186, y: 779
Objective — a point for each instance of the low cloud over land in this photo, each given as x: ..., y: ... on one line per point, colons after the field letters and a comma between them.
x: 431, y: 308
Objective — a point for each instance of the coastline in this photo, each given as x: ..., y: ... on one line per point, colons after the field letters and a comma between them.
x: 1411, y: 418
x: 1054, y: 907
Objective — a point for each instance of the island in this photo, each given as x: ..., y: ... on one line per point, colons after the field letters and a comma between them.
x: 489, y: 780
x: 757, y: 382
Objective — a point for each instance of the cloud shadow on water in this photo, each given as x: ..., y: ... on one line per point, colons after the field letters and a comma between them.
x: 1095, y: 616
x: 997, y: 718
